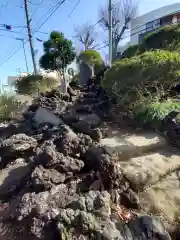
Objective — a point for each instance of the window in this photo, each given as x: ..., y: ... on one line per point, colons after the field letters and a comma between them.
x: 152, y: 25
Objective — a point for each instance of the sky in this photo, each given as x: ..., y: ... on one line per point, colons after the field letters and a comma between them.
x: 12, y: 13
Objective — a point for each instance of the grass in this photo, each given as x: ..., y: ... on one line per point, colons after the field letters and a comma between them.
x: 154, y: 112
x: 8, y: 106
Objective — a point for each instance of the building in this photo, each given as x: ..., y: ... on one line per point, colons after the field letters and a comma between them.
x: 148, y: 22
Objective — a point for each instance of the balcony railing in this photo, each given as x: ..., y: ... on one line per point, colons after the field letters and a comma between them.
x: 149, y: 29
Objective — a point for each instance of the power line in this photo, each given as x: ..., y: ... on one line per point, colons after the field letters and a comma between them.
x: 69, y: 15
x: 11, y: 55
x: 56, y: 8
x: 38, y: 6
x: 49, y: 10
x: 4, y: 30
x: 74, y: 8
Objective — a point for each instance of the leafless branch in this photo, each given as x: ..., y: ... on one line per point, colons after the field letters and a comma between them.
x: 122, y: 14
x: 86, y: 36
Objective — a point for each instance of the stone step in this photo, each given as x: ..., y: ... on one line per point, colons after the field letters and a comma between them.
x: 132, y: 145
x: 146, y: 170
x: 163, y: 199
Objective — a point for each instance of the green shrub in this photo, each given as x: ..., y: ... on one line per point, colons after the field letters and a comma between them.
x: 92, y: 57
x: 162, y: 37
x: 8, y: 106
x: 131, y: 51
x: 153, y: 113
x: 149, y: 71
x: 33, y: 84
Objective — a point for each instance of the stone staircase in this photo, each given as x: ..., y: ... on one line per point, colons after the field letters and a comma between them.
x: 153, y: 170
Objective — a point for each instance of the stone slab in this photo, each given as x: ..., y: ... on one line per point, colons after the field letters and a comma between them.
x: 91, y: 119
x: 44, y: 115
x: 163, y: 199
x: 134, y: 145
x: 147, y: 170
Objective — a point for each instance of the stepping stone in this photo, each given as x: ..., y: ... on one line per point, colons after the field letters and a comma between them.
x: 91, y: 119
x: 133, y: 145
x: 147, y: 170
x: 163, y: 199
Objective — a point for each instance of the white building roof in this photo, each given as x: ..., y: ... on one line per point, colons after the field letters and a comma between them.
x: 155, y: 14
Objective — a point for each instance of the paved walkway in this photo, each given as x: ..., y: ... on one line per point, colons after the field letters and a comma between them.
x: 153, y: 169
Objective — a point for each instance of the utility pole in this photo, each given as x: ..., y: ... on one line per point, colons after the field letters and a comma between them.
x: 25, y: 55
x: 110, y: 32
x: 30, y: 35
x: 21, y: 39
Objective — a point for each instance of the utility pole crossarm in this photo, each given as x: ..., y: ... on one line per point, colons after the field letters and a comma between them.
x: 30, y: 35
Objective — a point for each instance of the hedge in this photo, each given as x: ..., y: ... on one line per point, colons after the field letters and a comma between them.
x: 162, y: 37
x: 92, y: 56
x: 130, y: 51
x: 146, y: 71
x: 32, y: 84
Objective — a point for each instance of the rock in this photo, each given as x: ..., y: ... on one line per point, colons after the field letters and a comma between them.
x: 96, y: 134
x: 68, y: 164
x: 67, y: 141
x: 43, y: 207
x: 84, y: 109
x: 90, y: 95
x: 92, y: 120
x: 86, y: 181
x: 81, y: 127
x: 88, y: 101
x: 110, y: 171
x: 43, y: 115
x: 111, y: 174
x: 130, y: 199
x: 93, y: 157
x: 17, y: 145
x: 69, y: 186
x: 44, y: 179
x: 13, y: 178
x: 48, y: 157
x: 72, y: 144
x: 147, y: 227
x: 102, y: 202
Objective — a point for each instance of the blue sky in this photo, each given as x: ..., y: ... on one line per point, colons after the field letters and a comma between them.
x: 11, y: 13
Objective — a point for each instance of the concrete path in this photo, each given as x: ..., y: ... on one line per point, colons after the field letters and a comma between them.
x: 153, y: 170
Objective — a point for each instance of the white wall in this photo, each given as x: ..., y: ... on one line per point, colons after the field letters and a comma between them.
x: 148, y: 17
x: 122, y: 48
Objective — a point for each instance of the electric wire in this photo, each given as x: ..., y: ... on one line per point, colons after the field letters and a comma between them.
x: 38, y: 6
x: 54, y: 10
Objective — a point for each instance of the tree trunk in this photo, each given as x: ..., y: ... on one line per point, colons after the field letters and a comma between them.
x: 63, y: 83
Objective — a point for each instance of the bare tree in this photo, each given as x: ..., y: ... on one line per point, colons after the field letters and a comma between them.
x: 122, y: 13
x: 86, y: 36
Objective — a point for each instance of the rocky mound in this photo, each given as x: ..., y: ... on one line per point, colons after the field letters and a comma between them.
x: 58, y: 182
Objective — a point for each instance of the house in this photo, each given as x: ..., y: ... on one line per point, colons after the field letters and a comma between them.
x: 150, y: 21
